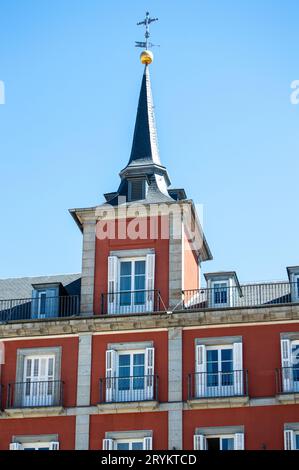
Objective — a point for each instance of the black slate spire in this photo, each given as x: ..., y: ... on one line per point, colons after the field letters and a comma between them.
x: 145, y: 145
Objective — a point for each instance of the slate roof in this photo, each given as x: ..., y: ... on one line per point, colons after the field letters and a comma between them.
x: 21, y: 288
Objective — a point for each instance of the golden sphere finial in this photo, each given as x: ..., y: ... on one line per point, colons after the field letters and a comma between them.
x: 146, y: 57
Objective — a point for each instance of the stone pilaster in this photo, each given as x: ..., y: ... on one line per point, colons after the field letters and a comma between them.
x: 88, y: 265
x: 175, y: 260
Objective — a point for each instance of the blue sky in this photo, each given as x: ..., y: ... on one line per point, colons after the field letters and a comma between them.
x: 227, y: 131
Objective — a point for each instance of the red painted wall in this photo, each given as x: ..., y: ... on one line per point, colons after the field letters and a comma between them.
x: 261, y: 353
x: 104, y: 246
x: 61, y: 425
x: 263, y: 425
x: 191, y: 271
x: 156, y: 422
x: 69, y: 363
x: 98, y: 366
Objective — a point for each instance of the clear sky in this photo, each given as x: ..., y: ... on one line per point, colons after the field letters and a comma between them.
x: 227, y: 130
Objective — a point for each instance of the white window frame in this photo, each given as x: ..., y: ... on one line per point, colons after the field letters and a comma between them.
x: 130, y: 442
x: 227, y: 389
x: 130, y: 393
x: 221, y: 437
x: 138, y: 307
x: 41, y: 399
x: 223, y: 284
x: 114, y: 292
x: 287, y: 363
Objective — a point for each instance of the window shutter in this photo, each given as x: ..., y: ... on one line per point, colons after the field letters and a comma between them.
x: 286, y: 364
x: 110, y: 374
x: 239, y: 441
x: 112, y: 297
x: 147, y: 443
x: 34, y: 304
x: 150, y: 281
x: 149, y: 373
x: 54, y: 445
x: 15, y: 446
x: 201, y: 368
x: 108, y: 444
x: 238, y: 368
x: 289, y: 440
x: 199, y: 442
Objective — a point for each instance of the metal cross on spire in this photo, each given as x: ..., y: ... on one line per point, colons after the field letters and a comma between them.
x: 146, y: 22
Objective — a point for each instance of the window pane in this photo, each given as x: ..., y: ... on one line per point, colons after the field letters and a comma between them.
x: 124, y: 371
x: 139, y: 267
x: 138, y: 371
x: 137, y: 446
x: 125, y: 268
x: 213, y: 443
x: 42, y: 305
x: 123, y: 446
x: 227, y: 443
x: 297, y: 441
x: 212, y: 368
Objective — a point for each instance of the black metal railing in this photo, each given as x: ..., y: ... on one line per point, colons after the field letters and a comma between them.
x: 287, y: 379
x: 249, y: 295
x: 129, y: 389
x: 34, y: 308
x: 127, y: 302
x: 33, y: 394
x: 218, y: 384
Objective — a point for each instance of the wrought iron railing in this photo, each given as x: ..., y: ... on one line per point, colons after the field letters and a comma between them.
x: 34, y: 394
x: 218, y: 384
x: 129, y: 389
x: 287, y: 379
x: 249, y: 295
x: 128, y: 302
x: 31, y: 308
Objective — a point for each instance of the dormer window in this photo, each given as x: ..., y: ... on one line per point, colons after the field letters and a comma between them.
x: 137, y: 188
x: 45, y: 301
x: 223, y: 289
x: 293, y: 274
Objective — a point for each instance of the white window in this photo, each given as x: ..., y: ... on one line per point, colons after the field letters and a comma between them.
x: 290, y: 365
x: 219, y: 442
x: 38, y: 387
x: 34, y: 446
x: 128, y: 444
x: 131, y: 284
x: 220, y: 294
x: 130, y: 375
x: 291, y: 439
x: 219, y: 370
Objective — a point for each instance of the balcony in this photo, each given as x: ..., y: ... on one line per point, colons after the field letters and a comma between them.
x: 287, y: 384
x: 31, y: 309
x: 249, y: 295
x: 133, y: 392
x: 129, y: 302
x: 35, y: 394
x: 221, y: 387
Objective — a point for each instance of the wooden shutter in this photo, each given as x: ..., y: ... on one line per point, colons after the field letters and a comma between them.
x: 54, y: 445
x: 289, y: 440
x: 110, y: 374
x: 238, y: 368
x: 147, y: 443
x: 239, y: 441
x: 150, y: 281
x: 149, y: 373
x: 108, y: 444
x: 15, y: 446
x: 113, y: 296
x: 201, y: 369
x: 199, y: 442
x: 286, y: 364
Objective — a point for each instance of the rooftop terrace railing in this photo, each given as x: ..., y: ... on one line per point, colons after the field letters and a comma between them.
x: 34, y: 308
x: 250, y: 295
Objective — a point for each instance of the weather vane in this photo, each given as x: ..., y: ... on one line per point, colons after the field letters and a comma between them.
x: 146, y: 56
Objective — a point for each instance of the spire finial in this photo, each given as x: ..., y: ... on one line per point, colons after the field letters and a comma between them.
x: 146, y: 56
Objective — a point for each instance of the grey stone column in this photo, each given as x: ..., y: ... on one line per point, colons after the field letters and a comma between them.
x: 175, y: 260
x: 88, y: 265
x: 175, y: 413
x: 83, y: 390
